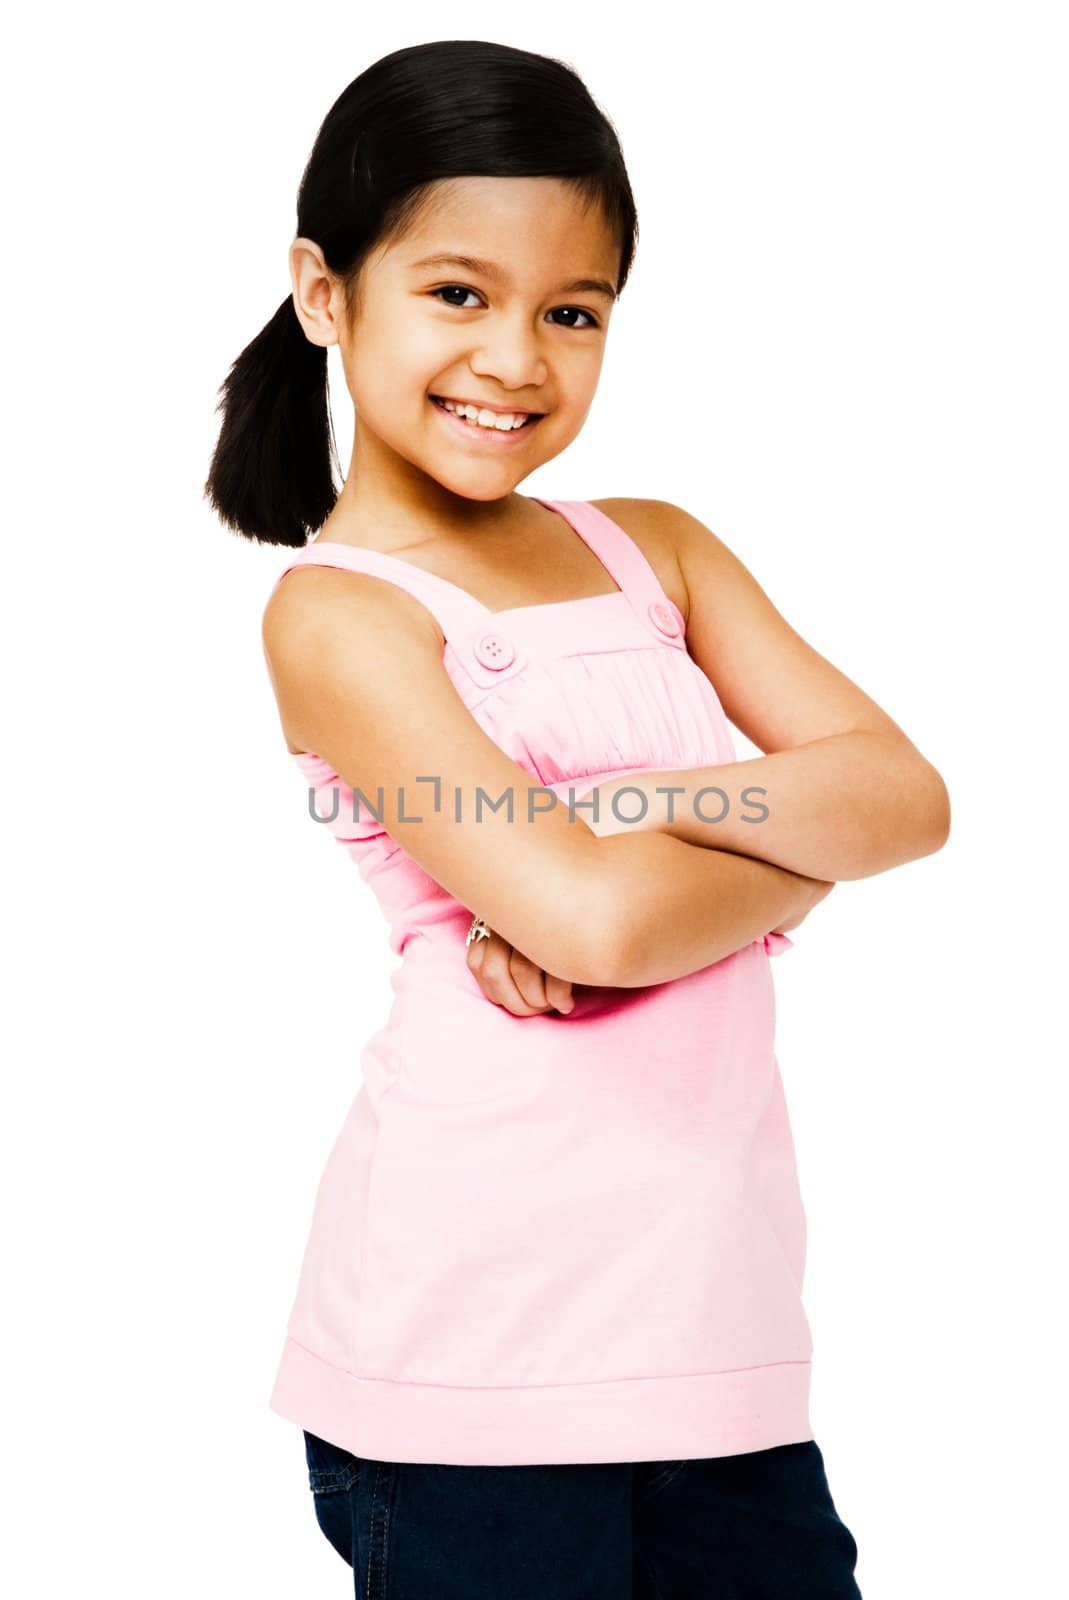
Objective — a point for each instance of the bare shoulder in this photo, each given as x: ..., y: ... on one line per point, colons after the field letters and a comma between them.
x: 660, y: 531
x: 315, y: 611
x: 311, y: 599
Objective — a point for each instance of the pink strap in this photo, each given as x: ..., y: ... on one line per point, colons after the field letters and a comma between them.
x: 487, y: 648
x: 617, y: 551
x: 488, y: 653
x: 444, y: 601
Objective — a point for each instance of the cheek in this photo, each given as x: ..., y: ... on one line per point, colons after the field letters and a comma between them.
x: 397, y: 363
x: 422, y: 350
x: 576, y: 378
x: 588, y: 370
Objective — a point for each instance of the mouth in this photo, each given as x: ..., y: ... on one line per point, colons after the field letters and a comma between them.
x: 496, y: 430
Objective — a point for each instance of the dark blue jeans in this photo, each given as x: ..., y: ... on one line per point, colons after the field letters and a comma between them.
x: 760, y: 1526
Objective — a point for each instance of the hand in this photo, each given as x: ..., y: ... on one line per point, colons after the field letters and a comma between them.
x: 509, y: 979
x: 815, y: 891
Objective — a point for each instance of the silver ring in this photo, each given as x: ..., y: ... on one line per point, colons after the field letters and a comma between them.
x: 478, y: 930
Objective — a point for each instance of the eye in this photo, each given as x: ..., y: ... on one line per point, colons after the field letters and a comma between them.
x: 462, y: 290
x: 454, y: 288
x: 573, y: 311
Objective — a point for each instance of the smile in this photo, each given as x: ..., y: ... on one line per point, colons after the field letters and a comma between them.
x: 481, y: 426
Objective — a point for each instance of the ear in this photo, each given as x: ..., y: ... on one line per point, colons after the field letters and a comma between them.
x: 316, y: 292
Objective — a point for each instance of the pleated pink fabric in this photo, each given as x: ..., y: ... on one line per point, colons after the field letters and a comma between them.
x: 554, y: 1239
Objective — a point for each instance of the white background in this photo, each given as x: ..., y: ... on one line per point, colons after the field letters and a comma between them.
x: 851, y: 283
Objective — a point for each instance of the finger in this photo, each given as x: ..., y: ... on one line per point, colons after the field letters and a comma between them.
x: 542, y: 990
x: 529, y: 979
x: 559, y: 993
x: 492, y: 971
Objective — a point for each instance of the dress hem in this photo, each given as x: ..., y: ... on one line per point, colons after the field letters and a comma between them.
x: 634, y: 1419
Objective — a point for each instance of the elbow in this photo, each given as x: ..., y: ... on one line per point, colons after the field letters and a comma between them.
x: 591, y: 931
x: 599, y: 951
x: 583, y: 923
x: 615, y: 953
x: 936, y: 813
x: 606, y: 953
x: 608, y: 958
x: 929, y: 825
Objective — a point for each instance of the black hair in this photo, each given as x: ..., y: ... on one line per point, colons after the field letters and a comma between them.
x: 453, y: 108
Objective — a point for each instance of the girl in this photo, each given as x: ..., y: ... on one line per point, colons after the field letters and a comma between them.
x: 548, y: 1341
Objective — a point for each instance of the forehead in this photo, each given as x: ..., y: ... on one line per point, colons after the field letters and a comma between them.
x: 530, y: 227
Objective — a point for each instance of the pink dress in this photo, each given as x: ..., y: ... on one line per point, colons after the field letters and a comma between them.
x: 555, y: 1238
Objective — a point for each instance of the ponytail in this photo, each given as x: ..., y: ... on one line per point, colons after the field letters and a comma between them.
x: 271, y: 473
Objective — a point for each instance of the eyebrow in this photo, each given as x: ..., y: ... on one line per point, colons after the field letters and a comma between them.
x: 488, y: 269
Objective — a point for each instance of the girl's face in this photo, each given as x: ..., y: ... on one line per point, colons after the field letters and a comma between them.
x: 518, y: 326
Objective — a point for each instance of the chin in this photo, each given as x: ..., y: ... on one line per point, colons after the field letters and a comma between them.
x: 480, y: 485
x: 485, y: 496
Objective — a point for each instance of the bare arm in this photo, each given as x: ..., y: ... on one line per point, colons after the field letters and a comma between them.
x: 845, y: 791
x: 683, y: 908
x: 357, y: 672
x: 848, y: 806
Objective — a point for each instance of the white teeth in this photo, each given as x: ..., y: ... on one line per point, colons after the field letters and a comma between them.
x: 503, y: 422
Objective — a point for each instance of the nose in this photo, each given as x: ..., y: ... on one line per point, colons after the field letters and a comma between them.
x: 509, y: 355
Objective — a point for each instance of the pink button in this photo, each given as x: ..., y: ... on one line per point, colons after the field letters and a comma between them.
x: 664, y: 618
x: 495, y: 651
